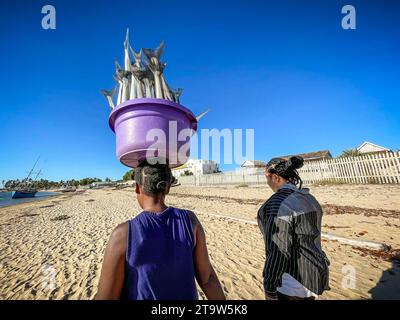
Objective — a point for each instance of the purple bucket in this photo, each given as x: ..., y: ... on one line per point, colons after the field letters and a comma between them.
x: 133, y: 122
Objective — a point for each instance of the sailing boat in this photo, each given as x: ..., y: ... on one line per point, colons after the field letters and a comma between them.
x: 24, y: 190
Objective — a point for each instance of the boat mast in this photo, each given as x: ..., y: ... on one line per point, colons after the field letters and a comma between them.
x: 37, y: 175
x: 30, y: 172
x: 24, y: 183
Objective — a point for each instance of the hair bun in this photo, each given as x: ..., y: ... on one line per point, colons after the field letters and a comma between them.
x: 295, y: 162
x: 162, y: 186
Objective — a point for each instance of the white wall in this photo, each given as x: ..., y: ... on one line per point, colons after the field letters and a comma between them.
x: 197, y: 167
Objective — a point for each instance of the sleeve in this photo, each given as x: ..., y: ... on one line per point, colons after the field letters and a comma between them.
x: 279, y: 250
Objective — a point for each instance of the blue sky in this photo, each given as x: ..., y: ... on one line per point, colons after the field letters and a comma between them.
x: 285, y: 68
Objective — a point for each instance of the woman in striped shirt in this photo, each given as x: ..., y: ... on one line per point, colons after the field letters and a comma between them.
x: 290, y: 221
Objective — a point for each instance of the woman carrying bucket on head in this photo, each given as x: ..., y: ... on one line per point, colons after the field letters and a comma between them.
x: 158, y: 254
x: 296, y: 268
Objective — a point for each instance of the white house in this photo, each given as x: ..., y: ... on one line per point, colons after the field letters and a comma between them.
x: 196, y: 167
x: 368, y: 147
x: 252, y: 167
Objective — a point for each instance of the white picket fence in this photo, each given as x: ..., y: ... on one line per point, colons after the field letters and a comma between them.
x: 382, y: 168
x: 371, y: 168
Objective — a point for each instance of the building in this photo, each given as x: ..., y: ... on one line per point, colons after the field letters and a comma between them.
x: 252, y: 167
x: 196, y: 167
x: 369, y: 147
x: 312, y: 156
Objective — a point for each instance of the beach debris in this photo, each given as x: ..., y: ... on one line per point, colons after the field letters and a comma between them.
x: 29, y: 215
x: 47, y: 206
x: 62, y: 217
x: 367, y: 212
x: 335, y: 227
x: 388, y: 255
x: 357, y: 243
x: 362, y: 244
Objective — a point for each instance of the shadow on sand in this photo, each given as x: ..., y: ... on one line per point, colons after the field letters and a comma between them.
x: 388, y: 287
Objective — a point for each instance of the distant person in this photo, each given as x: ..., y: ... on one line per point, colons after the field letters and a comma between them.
x: 296, y: 268
x: 158, y: 254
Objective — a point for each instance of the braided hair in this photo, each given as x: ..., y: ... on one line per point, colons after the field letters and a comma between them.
x: 154, y: 179
x: 287, y: 169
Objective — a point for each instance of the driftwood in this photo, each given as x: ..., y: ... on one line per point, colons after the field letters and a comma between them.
x: 357, y: 243
x: 353, y: 242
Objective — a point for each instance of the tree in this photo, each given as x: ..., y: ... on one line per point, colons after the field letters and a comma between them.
x: 12, y: 184
x: 128, y: 175
x: 187, y: 173
x: 46, y: 184
x: 350, y: 153
x: 86, y: 181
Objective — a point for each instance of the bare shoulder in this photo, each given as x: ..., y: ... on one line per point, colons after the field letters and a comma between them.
x: 197, y: 228
x: 119, y: 237
x: 120, y: 231
x: 193, y: 219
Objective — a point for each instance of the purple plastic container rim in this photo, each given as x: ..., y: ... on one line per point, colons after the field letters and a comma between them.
x: 151, y: 101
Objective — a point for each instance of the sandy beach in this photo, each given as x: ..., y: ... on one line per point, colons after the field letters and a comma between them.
x: 53, y: 249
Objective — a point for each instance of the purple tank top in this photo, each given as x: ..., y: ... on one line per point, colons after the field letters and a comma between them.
x: 159, y: 257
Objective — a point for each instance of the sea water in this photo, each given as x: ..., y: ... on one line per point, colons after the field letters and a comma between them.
x: 7, y: 200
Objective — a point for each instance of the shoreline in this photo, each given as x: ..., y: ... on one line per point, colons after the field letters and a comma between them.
x: 29, y: 200
x: 68, y: 233
x: 35, y: 200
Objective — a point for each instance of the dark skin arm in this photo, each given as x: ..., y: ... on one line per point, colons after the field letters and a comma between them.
x: 204, y: 271
x: 113, y: 269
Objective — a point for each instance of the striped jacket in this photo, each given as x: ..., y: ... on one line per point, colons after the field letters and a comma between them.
x: 290, y: 221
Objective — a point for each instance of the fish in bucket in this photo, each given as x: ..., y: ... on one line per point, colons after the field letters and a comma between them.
x: 147, y: 118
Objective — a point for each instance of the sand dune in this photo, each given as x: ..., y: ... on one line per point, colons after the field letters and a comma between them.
x: 53, y: 249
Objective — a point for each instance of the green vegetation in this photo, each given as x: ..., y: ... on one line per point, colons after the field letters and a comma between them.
x: 128, y: 175
x: 354, y: 153
x: 350, y: 153
x: 187, y: 173
x: 44, y: 184
x: 87, y: 181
